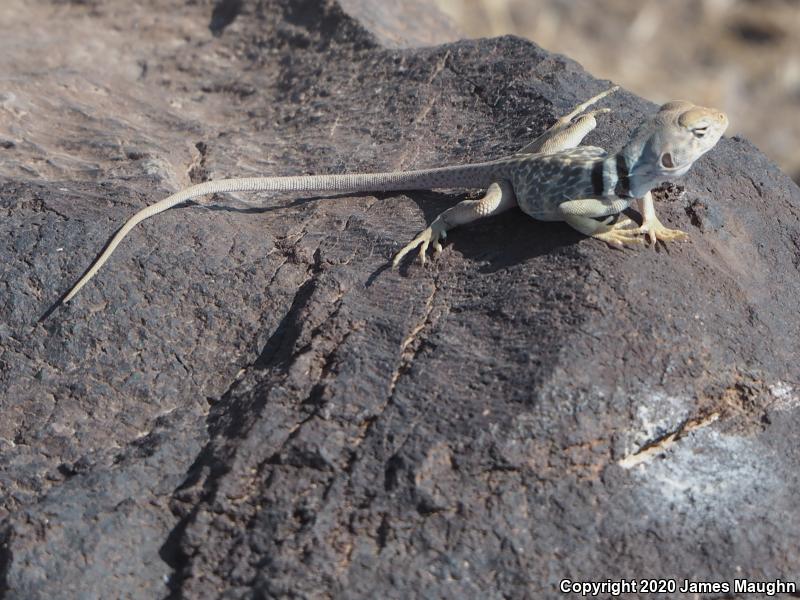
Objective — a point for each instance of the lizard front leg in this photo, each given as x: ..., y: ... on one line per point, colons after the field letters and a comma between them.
x: 652, y: 227
x: 499, y: 197
x: 581, y: 215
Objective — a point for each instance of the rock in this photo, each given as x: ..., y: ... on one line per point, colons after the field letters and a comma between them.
x: 246, y: 399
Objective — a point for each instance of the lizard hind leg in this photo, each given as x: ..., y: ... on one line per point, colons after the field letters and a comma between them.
x: 590, y: 102
x: 499, y: 197
x: 566, y: 133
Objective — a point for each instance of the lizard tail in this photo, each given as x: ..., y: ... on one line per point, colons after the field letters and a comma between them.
x: 474, y: 175
x: 140, y: 216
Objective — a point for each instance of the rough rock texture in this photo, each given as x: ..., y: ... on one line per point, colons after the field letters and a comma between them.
x: 247, y: 403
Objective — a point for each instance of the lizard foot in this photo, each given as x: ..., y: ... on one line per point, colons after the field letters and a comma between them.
x: 429, y: 237
x: 654, y: 231
x: 619, y: 234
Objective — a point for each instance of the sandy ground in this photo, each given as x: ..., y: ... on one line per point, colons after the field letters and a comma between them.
x: 739, y: 55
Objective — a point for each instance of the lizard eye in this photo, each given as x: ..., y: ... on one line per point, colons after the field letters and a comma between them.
x: 700, y: 131
x: 666, y: 161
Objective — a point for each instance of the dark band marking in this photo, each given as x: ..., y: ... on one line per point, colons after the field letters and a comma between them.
x: 623, y: 187
x: 597, y: 178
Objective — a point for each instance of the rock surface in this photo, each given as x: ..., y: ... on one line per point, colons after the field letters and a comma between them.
x: 246, y: 402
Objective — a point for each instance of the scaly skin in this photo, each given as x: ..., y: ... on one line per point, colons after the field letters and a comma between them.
x: 550, y: 179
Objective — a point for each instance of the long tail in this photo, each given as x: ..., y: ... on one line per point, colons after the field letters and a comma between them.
x: 474, y: 175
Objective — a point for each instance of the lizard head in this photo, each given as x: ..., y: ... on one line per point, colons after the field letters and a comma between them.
x: 667, y: 145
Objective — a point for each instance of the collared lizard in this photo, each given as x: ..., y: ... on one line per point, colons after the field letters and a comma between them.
x: 550, y: 179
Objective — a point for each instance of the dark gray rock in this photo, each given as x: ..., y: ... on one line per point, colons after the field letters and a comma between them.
x: 246, y: 403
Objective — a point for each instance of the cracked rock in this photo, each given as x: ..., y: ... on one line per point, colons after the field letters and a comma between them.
x: 246, y: 402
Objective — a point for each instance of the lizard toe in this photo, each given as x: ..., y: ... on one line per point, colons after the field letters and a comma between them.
x: 654, y: 231
x: 428, y: 238
x: 422, y: 250
x: 619, y: 238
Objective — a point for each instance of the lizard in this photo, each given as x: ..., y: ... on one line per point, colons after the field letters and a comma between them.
x: 551, y: 179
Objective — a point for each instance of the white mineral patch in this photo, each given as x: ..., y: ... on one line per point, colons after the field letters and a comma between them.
x: 709, y: 471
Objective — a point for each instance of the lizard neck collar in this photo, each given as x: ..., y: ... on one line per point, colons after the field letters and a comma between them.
x: 612, y: 176
x: 623, y: 185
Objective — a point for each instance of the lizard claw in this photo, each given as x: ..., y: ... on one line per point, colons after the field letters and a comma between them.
x: 428, y: 237
x: 654, y: 231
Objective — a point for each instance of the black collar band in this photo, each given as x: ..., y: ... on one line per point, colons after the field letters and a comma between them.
x: 623, y: 187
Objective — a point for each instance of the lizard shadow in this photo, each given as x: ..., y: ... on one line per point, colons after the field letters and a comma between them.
x: 522, y: 237
x: 515, y: 238
x: 498, y: 242
x: 257, y: 208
